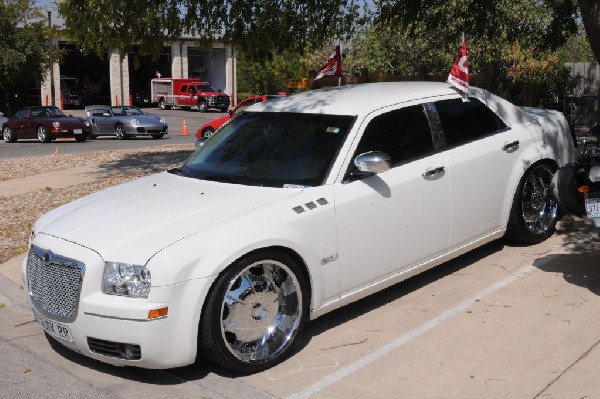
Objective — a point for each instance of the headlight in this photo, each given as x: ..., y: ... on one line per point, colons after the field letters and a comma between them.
x: 134, y: 121
x: 161, y: 120
x: 56, y: 125
x: 87, y: 123
x: 126, y: 280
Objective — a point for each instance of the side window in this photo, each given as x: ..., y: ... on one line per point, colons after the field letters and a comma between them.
x: 183, y: 88
x: 466, y: 121
x: 403, y: 134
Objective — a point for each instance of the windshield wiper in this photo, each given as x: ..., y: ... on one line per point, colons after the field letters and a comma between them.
x: 222, y: 179
x: 178, y: 171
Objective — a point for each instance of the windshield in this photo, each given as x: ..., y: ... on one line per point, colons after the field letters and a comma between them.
x: 46, y: 112
x: 273, y: 149
x: 205, y: 88
x: 123, y: 111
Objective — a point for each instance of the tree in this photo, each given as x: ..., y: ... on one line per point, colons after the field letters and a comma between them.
x: 590, y: 15
x: 259, y: 28
x: 23, y: 52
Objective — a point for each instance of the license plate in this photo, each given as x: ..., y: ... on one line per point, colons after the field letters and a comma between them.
x: 592, y: 206
x: 57, y: 330
x: 77, y: 131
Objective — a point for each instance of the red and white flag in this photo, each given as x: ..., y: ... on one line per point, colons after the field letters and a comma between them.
x: 333, y: 66
x: 459, y: 74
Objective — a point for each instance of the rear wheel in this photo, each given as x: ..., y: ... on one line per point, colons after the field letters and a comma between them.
x: 43, y: 135
x: 162, y: 104
x: 9, y: 137
x: 534, y: 210
x: 254, y: 313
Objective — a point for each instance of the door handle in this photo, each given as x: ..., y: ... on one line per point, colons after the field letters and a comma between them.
x: 510, y: 147
x: 433, y: 172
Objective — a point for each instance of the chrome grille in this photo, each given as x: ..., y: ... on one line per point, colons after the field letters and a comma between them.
x: 54, y: 283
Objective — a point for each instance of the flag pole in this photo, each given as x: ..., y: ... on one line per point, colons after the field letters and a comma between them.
x: 340, y: 77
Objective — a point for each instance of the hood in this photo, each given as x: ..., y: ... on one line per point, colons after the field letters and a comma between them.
x: 132, y: 222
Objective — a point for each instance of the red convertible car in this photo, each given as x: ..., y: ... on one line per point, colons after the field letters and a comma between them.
x: 44, y: 124
x: 209, y: 128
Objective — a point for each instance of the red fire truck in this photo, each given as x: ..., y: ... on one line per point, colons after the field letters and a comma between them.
x: 188, y: 94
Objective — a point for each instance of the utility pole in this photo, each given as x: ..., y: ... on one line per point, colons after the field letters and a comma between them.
x: 50, y: 51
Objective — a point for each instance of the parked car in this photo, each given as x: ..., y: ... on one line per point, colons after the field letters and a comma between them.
x: 295, y: 208
x: 3, y: 120
x: 124, y: 122
x: 45, y: 124
x: 209, y: 128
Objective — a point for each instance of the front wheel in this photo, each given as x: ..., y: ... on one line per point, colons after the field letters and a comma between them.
x: 43, y: 135
x: 9, y: 137
x: 254, y: 313
x: 81, y: 138
x: 534, y: 211
x: 202, y: 106
x: 207, y: 132
x: 120, y: 131
x: 157, y: 136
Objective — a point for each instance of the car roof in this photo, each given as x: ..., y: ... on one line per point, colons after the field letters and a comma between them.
x: 355, y: 99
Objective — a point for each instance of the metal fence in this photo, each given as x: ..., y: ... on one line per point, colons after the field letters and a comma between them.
x: 581, y: 112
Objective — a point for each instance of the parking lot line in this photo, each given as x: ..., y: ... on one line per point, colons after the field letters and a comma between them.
x: 415, y: 333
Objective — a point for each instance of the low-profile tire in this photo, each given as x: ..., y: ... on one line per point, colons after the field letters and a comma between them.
x: 43, y: 135
x: 92, y: 137
x: 120, y: 131
x: 208, y: 131
x: 80, y: 138
x: 8, y: 135
x: 254, y: 313
x: 534, y: 211
x: 202, y: 106
x: 157, y: 136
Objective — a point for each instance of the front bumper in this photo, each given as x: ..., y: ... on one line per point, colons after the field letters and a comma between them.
x: 146, y: 129
x: 105, y: 323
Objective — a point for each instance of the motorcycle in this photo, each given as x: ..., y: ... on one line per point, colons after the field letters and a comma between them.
x: 577, y: 186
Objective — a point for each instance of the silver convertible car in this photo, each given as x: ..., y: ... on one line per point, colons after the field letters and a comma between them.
x: 124, y: 122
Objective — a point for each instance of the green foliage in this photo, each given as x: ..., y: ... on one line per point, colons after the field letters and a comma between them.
x: 23, y: 52
x: 267, y: 77
x: 259, y: 28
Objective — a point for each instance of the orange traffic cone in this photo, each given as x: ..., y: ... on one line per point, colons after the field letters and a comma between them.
x: 184, y: 129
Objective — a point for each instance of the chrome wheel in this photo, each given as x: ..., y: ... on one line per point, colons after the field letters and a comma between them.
x: 534, y: 212
x: 42, y: 134
x: 261, y: 311
x: 120, y: 131
x: 539, y: 207
x: 202, y: 106
x: 8, y: 135
x: 254, y: 312
x: 208, y: 132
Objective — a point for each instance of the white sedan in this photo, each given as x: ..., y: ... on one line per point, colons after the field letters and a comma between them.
x: 295, y: 208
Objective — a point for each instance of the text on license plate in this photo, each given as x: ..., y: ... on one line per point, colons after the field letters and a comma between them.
x: 53, y: 328
x: 77, y: 131
x: 592, y: 206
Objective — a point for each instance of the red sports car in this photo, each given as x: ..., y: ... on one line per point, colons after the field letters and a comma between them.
x: 45, y: 124
x: 209, y: 128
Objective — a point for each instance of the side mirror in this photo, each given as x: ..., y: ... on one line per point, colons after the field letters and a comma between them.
x: 373, y: 162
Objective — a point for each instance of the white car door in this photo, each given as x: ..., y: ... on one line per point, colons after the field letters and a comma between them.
x: 482, y: 152
x: 394, y: 220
